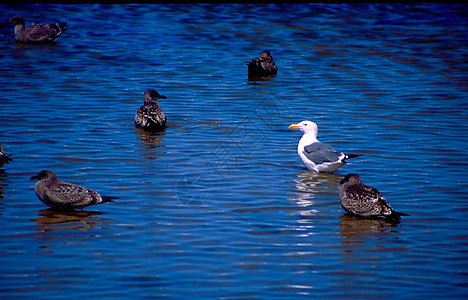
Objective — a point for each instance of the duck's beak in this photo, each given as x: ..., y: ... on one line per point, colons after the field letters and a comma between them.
x: 293, y: 126
x: 33, y: 177
x: 162, y: 96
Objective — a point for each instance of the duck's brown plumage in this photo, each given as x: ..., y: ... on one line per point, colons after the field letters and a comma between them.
x: 64, y: 195
x: 150, y: 115
x: 42, y: 33
x: 365, y: 201
x: 263, y: 65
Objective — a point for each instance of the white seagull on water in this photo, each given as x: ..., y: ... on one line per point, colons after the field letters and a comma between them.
x: 317, y: 156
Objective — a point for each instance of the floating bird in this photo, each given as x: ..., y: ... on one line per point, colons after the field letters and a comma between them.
x: 63, y: 195
x: 361, y: 200
x: 4, y: 159
x: 43, y: 33
x: 263, y: 65
x: 150, y: 116
x: 317, y: 156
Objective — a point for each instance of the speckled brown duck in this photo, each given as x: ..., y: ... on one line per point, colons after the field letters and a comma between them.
x: 364, y: 201
x: 42, y: 33
x: 64, y: 195
x: 150, y: 115
x: 263, y: 65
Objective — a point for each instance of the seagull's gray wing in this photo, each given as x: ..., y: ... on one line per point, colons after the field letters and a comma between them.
x: 319, y: 153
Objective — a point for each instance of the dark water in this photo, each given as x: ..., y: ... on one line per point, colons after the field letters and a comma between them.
x: 220, y: 205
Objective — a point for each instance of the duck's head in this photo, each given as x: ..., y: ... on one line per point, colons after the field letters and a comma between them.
x: 306, y: 127
x: 265, y: 54
x: 152, y: 96
x: 47, y: 174
x: 18, y: 20
x: 350, y: 179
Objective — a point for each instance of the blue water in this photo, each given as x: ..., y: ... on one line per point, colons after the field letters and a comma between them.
x: 219, y: 205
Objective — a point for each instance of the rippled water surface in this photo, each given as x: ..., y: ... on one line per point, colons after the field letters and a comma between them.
x: 219, y: 205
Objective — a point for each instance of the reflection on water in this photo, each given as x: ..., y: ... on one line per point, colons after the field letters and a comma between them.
x: 354, y: 229
x: 372, y: 245
x: 52, y: 220
x: 22, y: 49
x: 3, y: 178
x: 311, y: 184
x: 253, y: 80
x: 150, y: 140
x: 66, y: 227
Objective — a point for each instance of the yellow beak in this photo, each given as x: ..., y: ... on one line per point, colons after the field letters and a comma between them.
x: 293, y: 126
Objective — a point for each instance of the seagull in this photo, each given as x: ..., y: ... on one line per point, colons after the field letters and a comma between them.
x: 4, y: 159
x: 365, y: 201
x: 63, y: 195
x: 317, y: 156
x: 42, y: 33
x: 150, y: 116
x: 263, y: 65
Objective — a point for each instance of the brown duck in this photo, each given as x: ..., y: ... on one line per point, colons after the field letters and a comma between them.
x: 364, y: 201
x: 263, y: 65
x: 150, y: 115
x: 42, y: 33
x: 64, y: 195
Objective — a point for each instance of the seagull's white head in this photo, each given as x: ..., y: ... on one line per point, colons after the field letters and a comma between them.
x: 306, y: 127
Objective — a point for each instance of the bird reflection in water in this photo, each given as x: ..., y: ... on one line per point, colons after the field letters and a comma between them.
x: 354, y: 227
x: 3, y: 177
x: 311, y: 184
x: 362, y: 239
x: 21, y: 49
x: 150, y: 140
x: 259, y: 80
x: 52, y: 220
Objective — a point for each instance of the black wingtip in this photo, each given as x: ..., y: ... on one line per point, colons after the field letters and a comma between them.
x: 7, y: 158
x: 395, y: 216
x: 353, y: 155
x: 402, y: 214
x: 107, y: 199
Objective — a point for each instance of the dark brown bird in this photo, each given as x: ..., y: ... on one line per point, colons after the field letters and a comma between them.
x: 150, y: 116
x: 263, y: 65
x: 64, y: 195
x: 364, y: 201
x: 4, y: 159
x: 42, y: 33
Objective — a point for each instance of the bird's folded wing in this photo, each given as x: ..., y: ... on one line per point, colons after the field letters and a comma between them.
x: 320, y: 153
x: 364, y: 199
x: 38, y: 33
x: 70, y: 194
